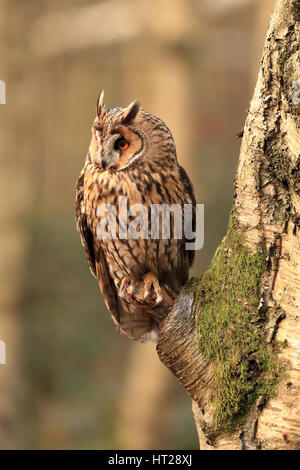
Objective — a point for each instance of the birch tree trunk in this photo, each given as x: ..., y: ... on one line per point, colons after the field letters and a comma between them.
x: 233, y: 337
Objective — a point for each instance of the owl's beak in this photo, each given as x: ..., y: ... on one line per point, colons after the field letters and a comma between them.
x: 109, y: 154
x: 108, y: 159
x: 104, y: 164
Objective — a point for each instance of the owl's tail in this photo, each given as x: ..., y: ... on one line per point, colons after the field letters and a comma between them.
x: 136, y: 322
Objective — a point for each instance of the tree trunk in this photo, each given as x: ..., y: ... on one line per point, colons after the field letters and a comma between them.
x: 233, y: 337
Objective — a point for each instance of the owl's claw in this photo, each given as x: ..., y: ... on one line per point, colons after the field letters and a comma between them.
x: 128, y: 285
x: 127, y: 288
x: 150, y: 280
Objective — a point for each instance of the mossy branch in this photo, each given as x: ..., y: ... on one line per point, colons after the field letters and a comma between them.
x: 220, y: 350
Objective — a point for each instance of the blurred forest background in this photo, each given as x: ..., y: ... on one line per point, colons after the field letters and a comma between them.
x: 70, y: 380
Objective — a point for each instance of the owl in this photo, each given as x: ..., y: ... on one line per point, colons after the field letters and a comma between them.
x: 132, y: 155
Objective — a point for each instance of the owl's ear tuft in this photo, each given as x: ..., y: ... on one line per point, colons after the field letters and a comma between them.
x: 100, y: 107
x: 131, y: 113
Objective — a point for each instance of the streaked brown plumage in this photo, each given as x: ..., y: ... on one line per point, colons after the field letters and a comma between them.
x: 132, y: 154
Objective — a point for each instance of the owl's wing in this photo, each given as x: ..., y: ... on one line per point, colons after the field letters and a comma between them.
x: 107, y: 285
x: 189, y: 191
x: 175, y: 279
x: 95, y: 256
x: 82, y: 226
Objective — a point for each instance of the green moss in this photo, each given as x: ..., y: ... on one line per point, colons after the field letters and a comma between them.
x: 231, y: 328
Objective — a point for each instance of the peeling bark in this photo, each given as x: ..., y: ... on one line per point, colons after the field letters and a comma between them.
x: 266, y: 207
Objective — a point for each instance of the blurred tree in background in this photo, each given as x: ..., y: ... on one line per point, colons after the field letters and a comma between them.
x: 71, y: 381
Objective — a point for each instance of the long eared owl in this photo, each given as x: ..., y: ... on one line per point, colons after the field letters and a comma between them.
x: 132, y: 154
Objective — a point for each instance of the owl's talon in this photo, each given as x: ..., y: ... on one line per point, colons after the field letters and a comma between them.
x: 151, y: 281
x: 127, y: 288
x: 170, y: 292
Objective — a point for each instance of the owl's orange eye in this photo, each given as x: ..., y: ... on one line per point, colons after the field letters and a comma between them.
x: 121, y: 144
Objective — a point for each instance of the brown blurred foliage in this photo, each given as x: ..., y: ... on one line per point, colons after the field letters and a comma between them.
x: 71, y: 381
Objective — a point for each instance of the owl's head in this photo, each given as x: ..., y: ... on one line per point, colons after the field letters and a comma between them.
x: 122, y: 136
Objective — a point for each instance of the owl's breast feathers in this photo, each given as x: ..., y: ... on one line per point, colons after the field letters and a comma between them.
x: 111, y: 259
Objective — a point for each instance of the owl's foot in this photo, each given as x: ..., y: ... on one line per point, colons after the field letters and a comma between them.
x: 131, y: 293
x: 151, y: 281
x: 126, y: 289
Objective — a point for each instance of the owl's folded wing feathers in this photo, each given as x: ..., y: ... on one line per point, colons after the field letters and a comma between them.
x: 189, y: 190
x: 96, y: 259
x: 82, y: 227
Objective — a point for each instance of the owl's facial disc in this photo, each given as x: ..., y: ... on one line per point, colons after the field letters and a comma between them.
x: 113, y: 150
x: 122, y: 147
x: 116, y: 143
